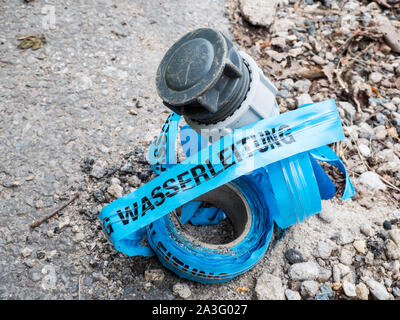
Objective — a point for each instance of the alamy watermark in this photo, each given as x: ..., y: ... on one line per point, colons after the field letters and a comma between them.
x: 49, y: 18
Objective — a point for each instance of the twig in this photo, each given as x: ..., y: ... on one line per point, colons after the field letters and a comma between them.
x: 54, y: 212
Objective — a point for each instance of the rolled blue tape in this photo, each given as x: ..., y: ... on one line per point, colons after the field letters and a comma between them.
x: 277, y: 138
x: 194, y: 262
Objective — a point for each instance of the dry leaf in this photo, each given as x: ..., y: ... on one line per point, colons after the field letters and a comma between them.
x: 376, y: 91
x: 31, y: 41
x: 312, y: 72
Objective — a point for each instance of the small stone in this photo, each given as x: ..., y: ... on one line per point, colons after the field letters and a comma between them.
x: 392, y: 250
x: 309, y: 288
x: 283, y: 93
x: 154, y: 275
x: 366, y: 202
x: 115, y: 190
x: 346, y: 257
x: 388, y: 282
x: 127, y: 168
x: 372, y: 181
x: 269, y: 287
x: 375, y: 77
x: 336, y: 286
x: 295, y: 52
x: 327, y: 216
x: 396, y: 266
x: 380, y: 132
x: 292, y: 295
x: 349, y: 289
x: 78, y: 237
x: 259, y: 12
x: 366, y: 230
x: 182, y: 290
x: 345, y: 237
x: 360, y: 246
x: 98, y: 171
x: 103, y: 148
x: 287, y: 84
x: 64, y: 222
x: 349, y: 109
x: 26, y: 252
x: 294, y: 256
x: 34, y: 276
x: 115, y: 181
x: 335, y: 273
x: 362, y: 291
x: 396, y: 292
x: 318, y: 60
x: 279, y: 42
x: 378, y: 290
x: 303, y: 99
x: 387, y: 225
x: 134, y: 181
x: 390, y: 106
x: 364, y: 150
x: 304, y: 271
x: 281, y: 25
x: 324, y: 275
x: 40, y: 255
x: 327, y: 290
x: 277, y: 56
x: 99, y: 195
x: 324, y: 250
x: 302, y: 85
x: 344, y: 269
x: 321, y: 296
x: 395, y: 236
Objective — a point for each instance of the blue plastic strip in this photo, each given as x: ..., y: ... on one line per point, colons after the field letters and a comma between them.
x: 326, y: 187
x: 275, y: 139
x: 295, y: 188
x: 197, y: 216
x: 162, y: 151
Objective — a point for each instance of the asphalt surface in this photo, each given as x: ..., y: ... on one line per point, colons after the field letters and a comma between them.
x: 89, y: 91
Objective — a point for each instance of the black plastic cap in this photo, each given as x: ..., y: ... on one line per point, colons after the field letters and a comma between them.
x: 203, y: 76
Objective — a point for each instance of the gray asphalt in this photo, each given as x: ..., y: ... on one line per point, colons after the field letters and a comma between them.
x: 65, y: 102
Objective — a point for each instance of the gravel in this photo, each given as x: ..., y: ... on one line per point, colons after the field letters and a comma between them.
x: 294, y: 256
x: 378, y: 290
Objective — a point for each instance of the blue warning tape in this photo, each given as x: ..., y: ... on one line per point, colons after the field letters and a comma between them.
x: 272, y: 162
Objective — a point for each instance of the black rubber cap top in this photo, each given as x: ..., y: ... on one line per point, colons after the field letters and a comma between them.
x: 203, y: 76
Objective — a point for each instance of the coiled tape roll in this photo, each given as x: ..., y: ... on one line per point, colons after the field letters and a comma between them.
x: 271, y: 164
